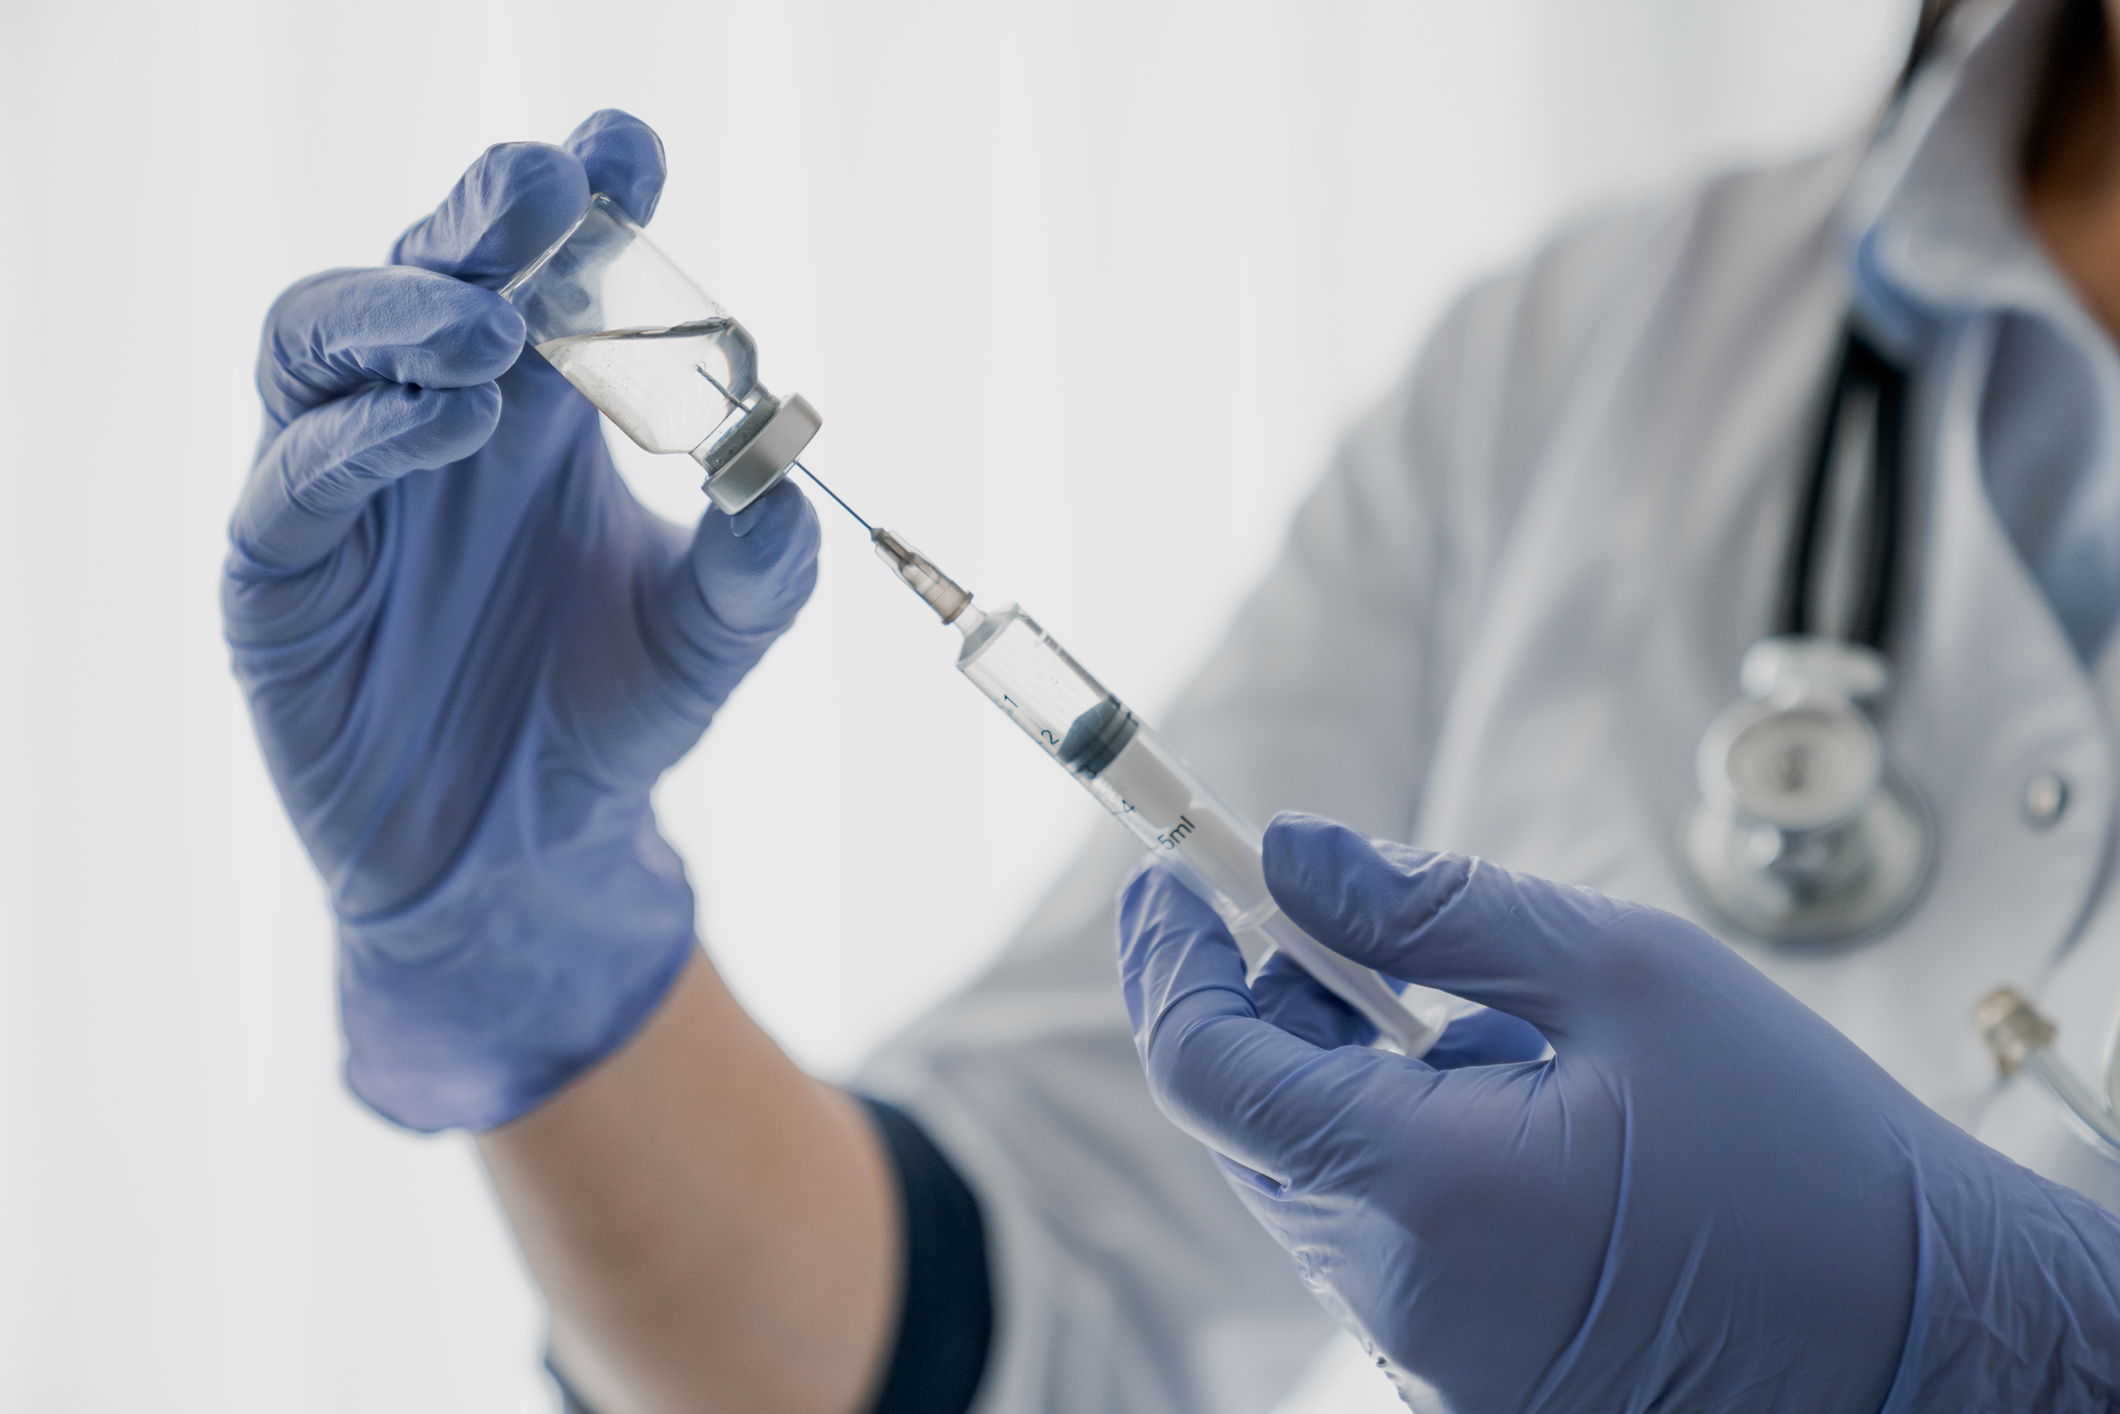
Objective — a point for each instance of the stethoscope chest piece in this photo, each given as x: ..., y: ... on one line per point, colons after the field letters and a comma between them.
x: 1802, y: 833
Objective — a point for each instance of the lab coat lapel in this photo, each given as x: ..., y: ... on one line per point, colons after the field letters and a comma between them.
x: 1987, y: 694
x: 2078, y: 988
x: 1990, y: 694
x: 1629, y: 586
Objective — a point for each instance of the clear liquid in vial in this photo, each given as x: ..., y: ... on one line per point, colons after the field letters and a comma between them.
x: 669, y: 390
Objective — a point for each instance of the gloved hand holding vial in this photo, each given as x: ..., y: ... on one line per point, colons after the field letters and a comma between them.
x: 469, y: 652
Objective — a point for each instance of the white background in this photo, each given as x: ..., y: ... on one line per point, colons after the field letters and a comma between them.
x: 1084, y: 292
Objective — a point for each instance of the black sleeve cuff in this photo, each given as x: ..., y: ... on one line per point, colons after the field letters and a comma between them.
x: 946, y: 1321
x: 946, y: 1306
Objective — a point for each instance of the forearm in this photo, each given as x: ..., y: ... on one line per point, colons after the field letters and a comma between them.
x: 713, y: 1228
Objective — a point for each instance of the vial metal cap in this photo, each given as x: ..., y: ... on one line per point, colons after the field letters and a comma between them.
x: 2045, y: 799
x: 752, y: 460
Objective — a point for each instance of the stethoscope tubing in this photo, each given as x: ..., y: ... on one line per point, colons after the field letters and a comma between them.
x: 1860, y: 368
x: 2021, y: 1039
x: 2093, y: 1119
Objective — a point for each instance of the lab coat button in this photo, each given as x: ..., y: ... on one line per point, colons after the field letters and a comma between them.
x: 2045, y: 797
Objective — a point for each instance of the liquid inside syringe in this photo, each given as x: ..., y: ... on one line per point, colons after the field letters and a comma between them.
x: 1150, y: 790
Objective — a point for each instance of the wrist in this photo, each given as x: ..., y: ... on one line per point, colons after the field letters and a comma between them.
x: 2017, y: 1294
x: 514, y: 976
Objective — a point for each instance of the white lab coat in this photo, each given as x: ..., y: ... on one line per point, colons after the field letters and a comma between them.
x: 1500, y: 625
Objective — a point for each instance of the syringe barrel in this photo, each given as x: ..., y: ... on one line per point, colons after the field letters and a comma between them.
x: 1152, y: 792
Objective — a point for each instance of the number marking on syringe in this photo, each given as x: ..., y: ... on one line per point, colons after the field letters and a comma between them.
x: 1044, y: 733
x: 1178, y: 833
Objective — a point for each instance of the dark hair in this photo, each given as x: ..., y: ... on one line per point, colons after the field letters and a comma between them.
x: 2078, y: 78
x: 2078, y: 70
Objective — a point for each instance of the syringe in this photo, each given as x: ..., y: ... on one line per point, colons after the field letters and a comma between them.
x: 1145, y: 785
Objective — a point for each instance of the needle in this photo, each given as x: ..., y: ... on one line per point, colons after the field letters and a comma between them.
x: 738, y: 403
x: 835, y: 496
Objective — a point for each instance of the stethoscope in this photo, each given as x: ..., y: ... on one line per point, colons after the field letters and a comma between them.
x: 1803, y: 834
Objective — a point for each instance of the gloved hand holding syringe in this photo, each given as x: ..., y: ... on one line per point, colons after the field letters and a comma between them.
x: 1125, y: 765
x: 677, y: 374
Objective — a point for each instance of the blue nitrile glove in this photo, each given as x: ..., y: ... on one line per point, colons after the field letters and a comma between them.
x: 1707, y: 1199
x: 470, y: 653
